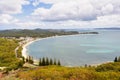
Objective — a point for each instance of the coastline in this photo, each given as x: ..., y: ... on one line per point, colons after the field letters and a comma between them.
x: 25, y: 54
x: 24, y: 50
x: 29, y: 41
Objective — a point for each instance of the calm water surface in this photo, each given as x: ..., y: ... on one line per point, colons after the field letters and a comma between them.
x: 78, y: 50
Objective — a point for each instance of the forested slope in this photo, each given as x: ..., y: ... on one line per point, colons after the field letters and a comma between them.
x: 7, y: 54
x: 34, y: 33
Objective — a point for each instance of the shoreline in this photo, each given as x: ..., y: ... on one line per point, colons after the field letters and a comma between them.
x: 25, y: 54
x: 24, y: 50
x: 29, y: 41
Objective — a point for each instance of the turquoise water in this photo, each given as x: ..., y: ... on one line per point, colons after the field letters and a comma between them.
x: 78, y: 50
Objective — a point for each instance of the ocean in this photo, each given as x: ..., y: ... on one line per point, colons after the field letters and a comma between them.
x: 78, y: 50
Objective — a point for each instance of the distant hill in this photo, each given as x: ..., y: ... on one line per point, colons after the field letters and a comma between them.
x: 91, y: 29
x: 107, y: 28
x: 34, y: 33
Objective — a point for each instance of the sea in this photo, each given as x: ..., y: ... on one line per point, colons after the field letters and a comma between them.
x: 79, y: 50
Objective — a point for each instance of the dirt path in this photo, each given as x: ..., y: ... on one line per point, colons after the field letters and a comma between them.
x: 16, y: 49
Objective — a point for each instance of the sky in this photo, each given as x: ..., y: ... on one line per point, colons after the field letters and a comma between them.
x: 59, y: 14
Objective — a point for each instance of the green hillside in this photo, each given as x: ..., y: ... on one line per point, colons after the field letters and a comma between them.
x: 34, y: 33
x: 109, y: 71
x: 7, y: 54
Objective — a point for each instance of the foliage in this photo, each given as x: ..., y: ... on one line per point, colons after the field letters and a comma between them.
x: 108, y: 67
x: 117, y: 59
x: 59, y: 63
x: 72, y: 73
x: 46, y: 61
x: 7, y: 54
x: 34, y: 33
x: 19, y: 52
x: 51, y: 62
x: 29, y: 59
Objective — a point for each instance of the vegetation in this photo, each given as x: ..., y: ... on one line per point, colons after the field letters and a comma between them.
x: 109, y: 71
x: 46, y: 62
x: 29, y: 59
x: 7, y: 54
x: 50, y: 69
x: 89, y: 33
x: 34, y: 33
x: 115, y: 67
x: 19, y: 52
x: 117, y: 59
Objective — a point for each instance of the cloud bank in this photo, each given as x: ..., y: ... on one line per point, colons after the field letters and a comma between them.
x: 62, y: 13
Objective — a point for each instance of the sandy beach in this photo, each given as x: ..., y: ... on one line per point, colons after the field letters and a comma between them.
x: 24, y: 51
x: 29, y: 41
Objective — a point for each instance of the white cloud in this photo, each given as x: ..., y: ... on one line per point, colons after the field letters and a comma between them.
x: 12, y: 6
x: 72, y: 10
x: 107, y: 21
x: 62, y: 14
x: 9, y: 7
x: 27, y: 24
x: 7, y: 19
x: 83, y: 10
x: 102, y: 21
x: 36, y: 2
x: 107, y: 9
x: 50, y: 1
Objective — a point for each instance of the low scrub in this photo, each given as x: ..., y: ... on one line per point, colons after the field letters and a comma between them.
x: 74, y: 73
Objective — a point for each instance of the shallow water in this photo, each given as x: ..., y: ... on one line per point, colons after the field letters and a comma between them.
x: 78, y: 50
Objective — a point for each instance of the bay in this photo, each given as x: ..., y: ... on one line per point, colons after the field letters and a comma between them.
x: 78, y: 50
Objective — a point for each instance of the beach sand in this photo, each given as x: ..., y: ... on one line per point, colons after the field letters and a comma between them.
x: 29, y: 41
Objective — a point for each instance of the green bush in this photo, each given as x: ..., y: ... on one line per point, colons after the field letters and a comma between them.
x: 7, y: 54
x: 70, y: 73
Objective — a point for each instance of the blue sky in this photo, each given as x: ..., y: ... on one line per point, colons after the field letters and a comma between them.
x: 59, y: 14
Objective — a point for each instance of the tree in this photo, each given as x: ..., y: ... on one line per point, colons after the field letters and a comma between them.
x: 51, y: 62
x: 115, y: 60
x: 29, y: 59
x: 59, y: 64
x: 47, y: 61
x: 54, y: 61
x: 43, y: 61
x: 118, y: 59
x: 23, y: 59
x: 85, y: 65
x: 40, y: 62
